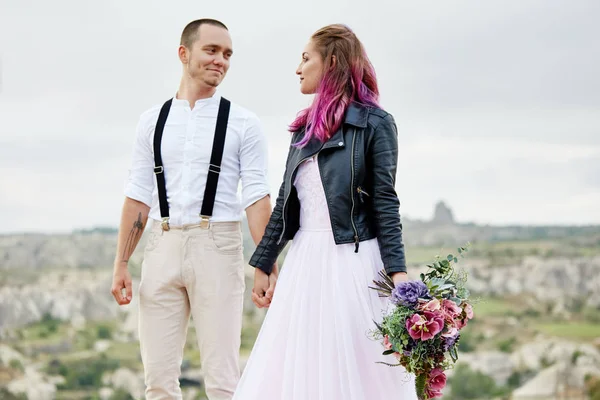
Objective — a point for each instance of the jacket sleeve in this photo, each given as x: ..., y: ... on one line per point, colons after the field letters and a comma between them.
x: 268, y: 249
x: 383, y: 154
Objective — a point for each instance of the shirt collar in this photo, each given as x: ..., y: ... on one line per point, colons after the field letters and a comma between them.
x: 216, y: 97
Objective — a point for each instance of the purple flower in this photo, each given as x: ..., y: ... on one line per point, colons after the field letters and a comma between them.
x: 450, y: 341
x: 408, y: 293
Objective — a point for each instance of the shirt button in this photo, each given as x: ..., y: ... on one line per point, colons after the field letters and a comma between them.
x: 340, y: 144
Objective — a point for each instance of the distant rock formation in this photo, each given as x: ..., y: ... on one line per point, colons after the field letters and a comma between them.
x: 442, y: 214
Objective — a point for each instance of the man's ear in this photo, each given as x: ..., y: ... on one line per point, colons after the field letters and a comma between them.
x: 183, y: 54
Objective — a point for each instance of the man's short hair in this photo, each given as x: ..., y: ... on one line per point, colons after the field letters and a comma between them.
x: 192, y: 30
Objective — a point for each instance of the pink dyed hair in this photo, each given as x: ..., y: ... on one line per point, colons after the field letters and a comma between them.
x: 350, y: 78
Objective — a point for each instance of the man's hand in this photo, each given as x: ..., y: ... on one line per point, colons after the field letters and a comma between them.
x: 259, y: 291
x: 399, y: 277
x: 264, y: 287
x: 121, y: 280
x: 133, y: 221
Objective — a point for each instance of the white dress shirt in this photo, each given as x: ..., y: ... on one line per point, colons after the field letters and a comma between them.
x: 186, y: 149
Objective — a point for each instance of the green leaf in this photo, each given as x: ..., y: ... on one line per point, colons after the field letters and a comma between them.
x: 454, y: 353
x: 456, y: 300
x: 455, y: 260
x: 445, y: 286
x: 423, y: 277
x: 436, y: 282
x: 388, y: 352
x: 450, y: 257
x: 460, y: 250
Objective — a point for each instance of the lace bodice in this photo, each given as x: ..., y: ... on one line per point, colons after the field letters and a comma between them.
x: 314, y: 213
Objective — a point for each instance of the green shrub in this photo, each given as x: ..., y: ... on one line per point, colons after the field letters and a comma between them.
x: 507, y: 345
x: 6, y: 395
x: 104, y: 332
x: 467, y: 384
x: 466, y: 343
x: 591, y: 315
x: 592, y: 384
x: 16, y: 364
x: 50, y: 324
x: 86, y: 374
x: 121, y: 394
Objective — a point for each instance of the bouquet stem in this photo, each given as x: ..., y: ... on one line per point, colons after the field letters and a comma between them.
x: 420, y: 382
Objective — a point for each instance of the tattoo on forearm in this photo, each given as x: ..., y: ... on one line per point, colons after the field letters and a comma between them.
x: 133, y: 238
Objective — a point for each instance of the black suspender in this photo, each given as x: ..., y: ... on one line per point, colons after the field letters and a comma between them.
x: 159, y: 171
x: 214, y: 168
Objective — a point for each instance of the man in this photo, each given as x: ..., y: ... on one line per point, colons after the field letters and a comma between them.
x: 188, y: 159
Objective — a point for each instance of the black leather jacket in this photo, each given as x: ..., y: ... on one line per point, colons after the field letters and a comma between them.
x: 358, y: 171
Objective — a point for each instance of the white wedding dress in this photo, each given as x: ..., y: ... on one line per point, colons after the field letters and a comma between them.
x: 315, y: 341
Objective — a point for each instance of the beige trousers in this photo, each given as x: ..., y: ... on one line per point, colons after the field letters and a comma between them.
x: 199, y: 271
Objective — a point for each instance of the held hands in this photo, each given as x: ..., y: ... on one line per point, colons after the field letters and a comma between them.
x: 264, y: 287
x: 121, y: 280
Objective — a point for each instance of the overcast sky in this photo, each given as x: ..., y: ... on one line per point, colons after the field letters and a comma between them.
x: 497, y: 102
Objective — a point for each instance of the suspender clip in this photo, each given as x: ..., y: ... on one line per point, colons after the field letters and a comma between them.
x: 204, y: 222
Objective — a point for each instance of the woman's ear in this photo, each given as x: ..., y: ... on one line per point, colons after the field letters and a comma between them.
x: 333, y: 62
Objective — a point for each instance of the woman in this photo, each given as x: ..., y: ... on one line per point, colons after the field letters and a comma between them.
x: 338, y: 204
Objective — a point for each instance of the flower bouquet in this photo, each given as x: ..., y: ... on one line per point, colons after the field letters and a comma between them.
x: 422, y: 326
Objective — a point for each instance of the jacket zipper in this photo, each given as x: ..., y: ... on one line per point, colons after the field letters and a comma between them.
x: 361, y: 192
x: 288, y: 195
x: 352, y: 193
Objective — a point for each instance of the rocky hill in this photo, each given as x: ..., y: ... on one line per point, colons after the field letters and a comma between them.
x: 540, y: 291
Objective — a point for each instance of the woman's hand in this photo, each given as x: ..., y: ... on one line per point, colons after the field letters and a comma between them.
x: 399, y: 277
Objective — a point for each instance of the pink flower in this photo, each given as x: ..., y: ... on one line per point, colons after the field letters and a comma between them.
x: 452, y: 331
x: 386, y: 343
x: 432, y: 305
x: 451, y: 309
x: 426, y: 326
x: 460, y: 323
x: 469, y: 311
x: 415, y: 325
x: 432, y: 394
x: 437, y: 379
